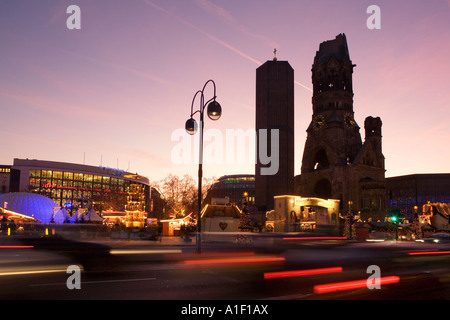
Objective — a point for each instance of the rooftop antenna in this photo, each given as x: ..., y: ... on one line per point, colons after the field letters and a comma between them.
x: 275, y: 54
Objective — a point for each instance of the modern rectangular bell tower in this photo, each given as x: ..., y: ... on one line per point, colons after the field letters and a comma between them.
x: 274, y: 111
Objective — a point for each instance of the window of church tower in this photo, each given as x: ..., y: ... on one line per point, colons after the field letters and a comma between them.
x: 321, y: 160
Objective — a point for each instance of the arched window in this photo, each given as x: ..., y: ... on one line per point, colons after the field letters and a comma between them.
x: 321, y: 160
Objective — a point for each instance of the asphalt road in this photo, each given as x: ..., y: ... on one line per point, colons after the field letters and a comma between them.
x: 268, y: 270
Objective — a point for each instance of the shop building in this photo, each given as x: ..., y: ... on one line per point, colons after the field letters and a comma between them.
x: 73, y: 185
x: 5, y: 173
x: 409, y: 193
x: 233, y: 187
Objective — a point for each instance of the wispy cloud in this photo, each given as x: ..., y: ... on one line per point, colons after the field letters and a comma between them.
x: 226, y: 17
x: 302, y: 85
x: 210, y: 36
x: 223, y: 14
x: 98, y: 61
x: 122, y: 67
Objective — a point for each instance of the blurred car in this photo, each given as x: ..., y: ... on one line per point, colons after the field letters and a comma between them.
x: 440, y: 237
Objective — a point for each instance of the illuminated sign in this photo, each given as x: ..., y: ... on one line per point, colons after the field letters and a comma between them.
x: 113, y: 171
x: 75, y: 188
x: 314, y: 202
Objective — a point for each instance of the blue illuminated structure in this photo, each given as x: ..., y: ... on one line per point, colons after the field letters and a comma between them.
x: 30, y: 204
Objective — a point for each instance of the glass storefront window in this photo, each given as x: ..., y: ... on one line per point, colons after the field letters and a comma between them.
x: 78, y: 176
x: 68, y: 175
x: 98, y: 179
x: 57, y: 183
x: 87, y: 185
x: 35, y: 173
x: 67, y: 183
x: 56, y: 193
x: 46, y: 173
x: 97, y: 186
x: 57, y: 175
x: 106, y: 180
x: 88, y: 177
x: 35, y: 182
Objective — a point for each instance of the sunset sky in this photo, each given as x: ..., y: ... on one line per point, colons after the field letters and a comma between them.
x: 115, y: 92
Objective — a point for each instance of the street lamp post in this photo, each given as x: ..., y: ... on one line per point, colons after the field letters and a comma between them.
x: 214, y: 112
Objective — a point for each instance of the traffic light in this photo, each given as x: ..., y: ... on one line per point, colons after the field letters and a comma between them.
x: 395, y: 216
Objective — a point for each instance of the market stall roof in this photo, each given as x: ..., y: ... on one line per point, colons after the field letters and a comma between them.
x: 114, y: 214
x: 93, y: 216
x: 210, y: 211
x: 188, y: 217
x: 61, y: 216
x: 443, y: 209
x: 16, y: 216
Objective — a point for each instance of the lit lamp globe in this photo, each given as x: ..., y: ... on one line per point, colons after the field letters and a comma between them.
x: 214, y: 110
x: 191, y: 126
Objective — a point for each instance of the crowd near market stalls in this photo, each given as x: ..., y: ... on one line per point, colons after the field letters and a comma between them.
x: 11, y: 221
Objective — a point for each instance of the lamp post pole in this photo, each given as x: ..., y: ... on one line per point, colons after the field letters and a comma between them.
x: 214, y: 112
x: 200, y: 178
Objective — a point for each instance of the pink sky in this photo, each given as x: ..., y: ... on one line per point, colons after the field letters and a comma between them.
x: 115, y: 91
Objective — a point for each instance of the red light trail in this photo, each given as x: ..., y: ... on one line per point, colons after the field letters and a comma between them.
x: 16, y: 247
x: 315, y: 238
x: 349, y: 285
x: 416, y: 253
x: 300, y: 273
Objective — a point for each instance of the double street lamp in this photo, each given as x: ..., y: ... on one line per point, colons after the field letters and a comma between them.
x: 214, y: 111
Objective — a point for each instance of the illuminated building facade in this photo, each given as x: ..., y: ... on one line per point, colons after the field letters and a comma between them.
x: 5, y: 172
x: 233, y: 187
x: 295, y: 213
x: 73, y: 185
x: 409, y: 193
